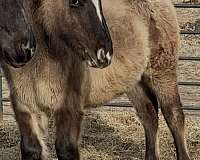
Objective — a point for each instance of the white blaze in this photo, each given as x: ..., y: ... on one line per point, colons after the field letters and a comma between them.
x: 97, y: 6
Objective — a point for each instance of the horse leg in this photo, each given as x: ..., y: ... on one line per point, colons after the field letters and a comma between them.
x: 68, y: 123
x: 31, y: 129
x: 166, y: 90
x: 149, y: 118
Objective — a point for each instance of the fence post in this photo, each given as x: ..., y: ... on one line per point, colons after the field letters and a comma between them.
x: 1, y: 97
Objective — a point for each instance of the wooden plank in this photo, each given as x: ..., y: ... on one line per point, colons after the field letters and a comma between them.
x: 8, y: 113
x: 189, y: 46
x: 189, y: 58
x: 189, y: 83
x: 189, y: 71
x: 187, y: 5
x: 190, y: 96
x: 188, y: 19
x: 5, y: 91
x: 184, y: 2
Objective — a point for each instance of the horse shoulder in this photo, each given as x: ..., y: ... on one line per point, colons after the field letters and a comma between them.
x: 131, y: 53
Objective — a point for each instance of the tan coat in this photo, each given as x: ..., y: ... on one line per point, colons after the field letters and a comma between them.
x: 143, y: 32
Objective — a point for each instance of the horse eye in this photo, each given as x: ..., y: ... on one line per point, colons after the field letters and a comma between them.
x: 75, y: 3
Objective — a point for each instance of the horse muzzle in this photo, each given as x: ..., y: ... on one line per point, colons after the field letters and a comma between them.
x: 22, y: 52
x: 101, y: 60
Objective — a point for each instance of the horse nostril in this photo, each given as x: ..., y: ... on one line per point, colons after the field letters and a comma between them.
x: 101, y: 60
x: 28, y: 49
x: 29, y: 45
x: 101, y: 56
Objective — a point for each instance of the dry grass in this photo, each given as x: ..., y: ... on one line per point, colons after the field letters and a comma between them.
x: 111, y: 135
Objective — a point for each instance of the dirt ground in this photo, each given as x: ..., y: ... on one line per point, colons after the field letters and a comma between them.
x: 111, y: 135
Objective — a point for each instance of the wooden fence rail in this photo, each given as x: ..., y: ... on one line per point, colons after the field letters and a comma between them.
x: 125, y: 102
x: 182, y: 5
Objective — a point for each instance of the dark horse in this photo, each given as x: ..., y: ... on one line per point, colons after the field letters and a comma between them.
x: 17, y: 42
x: 53, y: 81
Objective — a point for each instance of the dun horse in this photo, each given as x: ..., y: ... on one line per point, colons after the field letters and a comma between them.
x: 145, y: 38
x: 70, y: 33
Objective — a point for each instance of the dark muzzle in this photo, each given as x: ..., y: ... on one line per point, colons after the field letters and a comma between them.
x: 22, y: 50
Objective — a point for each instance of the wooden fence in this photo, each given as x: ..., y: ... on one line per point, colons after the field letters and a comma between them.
x: 192, y: 84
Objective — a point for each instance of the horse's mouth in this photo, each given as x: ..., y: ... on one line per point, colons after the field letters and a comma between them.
x: 100, y: 60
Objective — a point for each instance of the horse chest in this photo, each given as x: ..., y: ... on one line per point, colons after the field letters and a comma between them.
x: 43, y: 86
x: 50, y: 89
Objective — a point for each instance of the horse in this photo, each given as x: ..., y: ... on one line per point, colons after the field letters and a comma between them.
x: 155, y: 30
x: 17, y: 43
x: 145, y: 37
x: 53, y: 80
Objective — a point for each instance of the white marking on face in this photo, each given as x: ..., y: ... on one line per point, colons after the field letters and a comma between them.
x: 108, y: 56
x: 97, y: 6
